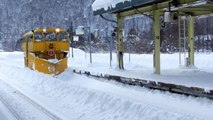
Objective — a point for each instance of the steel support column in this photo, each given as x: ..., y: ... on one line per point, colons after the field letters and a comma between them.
x: 191, y: 40
x: 120, y: 47
x: 156, y: 29
x: 179, y: 40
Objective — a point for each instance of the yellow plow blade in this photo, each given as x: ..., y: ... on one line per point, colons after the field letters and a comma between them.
x: 47, y: 66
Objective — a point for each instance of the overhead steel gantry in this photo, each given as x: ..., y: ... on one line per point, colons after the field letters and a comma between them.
x: 155, y: 9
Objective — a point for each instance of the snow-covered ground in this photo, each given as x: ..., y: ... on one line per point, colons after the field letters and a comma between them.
x: 75, y: 97
x: 141, y: 66
x: 5, y: 113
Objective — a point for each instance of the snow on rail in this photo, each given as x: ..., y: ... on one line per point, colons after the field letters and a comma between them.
x: 12, y: 115
x: 21, y: 106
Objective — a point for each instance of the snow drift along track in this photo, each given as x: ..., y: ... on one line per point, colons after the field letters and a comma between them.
x: 21, y: 106
x: 194, y: 91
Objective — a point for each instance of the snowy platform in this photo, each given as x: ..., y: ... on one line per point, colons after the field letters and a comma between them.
x: 197, y: 80
x: 167, y: 84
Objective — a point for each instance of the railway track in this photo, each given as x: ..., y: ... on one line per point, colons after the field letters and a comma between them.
x: 21, y: 106
x: 12, y: 111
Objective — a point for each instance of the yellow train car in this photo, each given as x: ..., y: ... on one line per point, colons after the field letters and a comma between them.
x: 46, y: 50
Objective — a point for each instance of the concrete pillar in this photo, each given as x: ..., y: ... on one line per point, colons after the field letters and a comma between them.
x: 120, y: 47
x: 191, y: 40
x: 156, y: 29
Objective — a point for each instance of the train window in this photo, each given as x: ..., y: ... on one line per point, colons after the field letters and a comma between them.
x: 30, y: 38
x: 50, y: 36
x: 63, y: 36
x: 38, y: 36
x: 25, y: 39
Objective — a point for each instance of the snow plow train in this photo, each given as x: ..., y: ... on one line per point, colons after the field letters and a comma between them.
x: 46, y: 50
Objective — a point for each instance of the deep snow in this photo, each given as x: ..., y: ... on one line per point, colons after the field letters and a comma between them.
x: 81, y: 98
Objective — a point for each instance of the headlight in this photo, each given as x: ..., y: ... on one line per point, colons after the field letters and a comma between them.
x: 44, y: 30
x: 57, y: 30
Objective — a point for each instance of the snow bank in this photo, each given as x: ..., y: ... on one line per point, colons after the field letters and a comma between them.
x: 82, y: 98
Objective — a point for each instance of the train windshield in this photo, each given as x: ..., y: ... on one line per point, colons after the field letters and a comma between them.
x: 63, y: 36
x: 38, y: 36
x: 50, y: 36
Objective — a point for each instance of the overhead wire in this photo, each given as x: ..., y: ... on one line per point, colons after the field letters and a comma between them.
x: 108, y: 19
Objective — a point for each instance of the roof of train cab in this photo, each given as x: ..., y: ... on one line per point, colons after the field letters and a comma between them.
x: 44, y: 30
x: 49, y: 30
